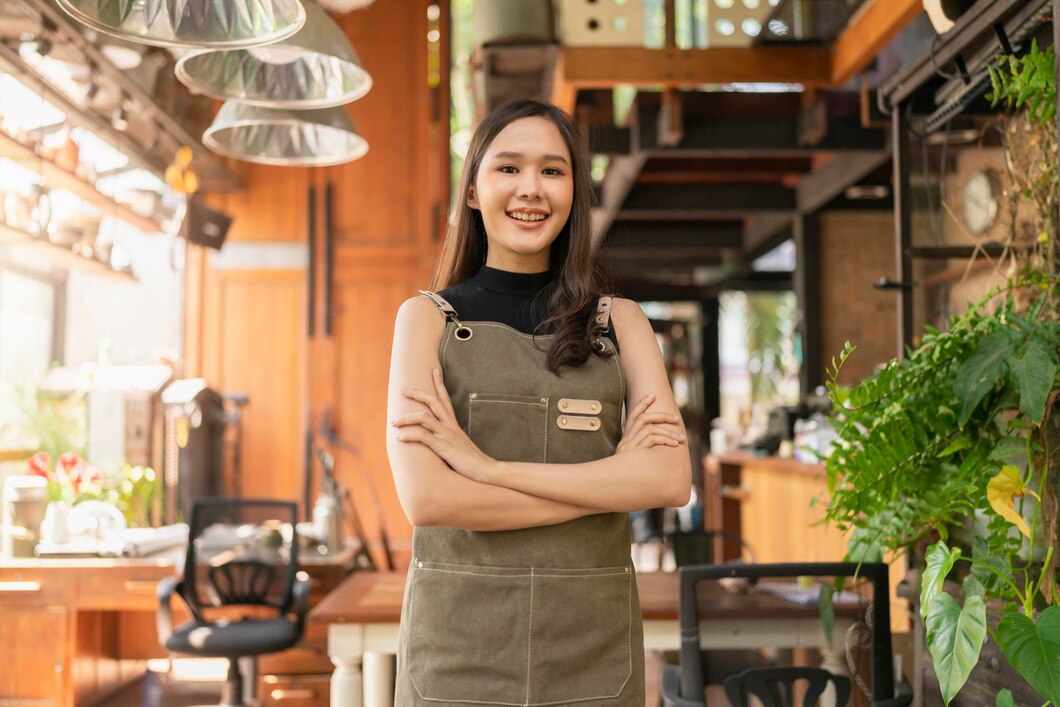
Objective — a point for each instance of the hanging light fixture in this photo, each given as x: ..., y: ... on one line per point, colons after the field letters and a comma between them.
x: 276, y: 136
x: 191, y: 23
x: 315, y: 68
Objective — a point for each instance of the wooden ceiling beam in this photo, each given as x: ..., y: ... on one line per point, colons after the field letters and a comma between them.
x: 604, y: 67
x: 876, y: 25
x: 675, y: 234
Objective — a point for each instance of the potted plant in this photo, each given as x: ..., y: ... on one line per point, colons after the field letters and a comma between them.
x: 952, y: 454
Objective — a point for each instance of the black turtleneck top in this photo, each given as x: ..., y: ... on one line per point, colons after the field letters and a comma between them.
x: 512, y: 298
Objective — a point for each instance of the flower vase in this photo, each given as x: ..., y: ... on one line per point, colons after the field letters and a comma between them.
x: 56, y: 526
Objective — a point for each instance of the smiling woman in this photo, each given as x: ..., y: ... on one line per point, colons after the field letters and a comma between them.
x: 507, y: 440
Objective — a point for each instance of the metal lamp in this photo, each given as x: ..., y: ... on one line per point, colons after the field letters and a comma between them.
x: 317, y: 137
x: 191, y: 23
x: 315, y: 68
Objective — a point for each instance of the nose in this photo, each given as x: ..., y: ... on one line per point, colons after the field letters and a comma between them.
x: 529, y: 187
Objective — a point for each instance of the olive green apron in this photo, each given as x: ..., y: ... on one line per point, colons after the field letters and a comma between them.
x: 536, y: 616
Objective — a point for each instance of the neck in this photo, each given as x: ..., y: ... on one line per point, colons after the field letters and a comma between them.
x: 517, y: 262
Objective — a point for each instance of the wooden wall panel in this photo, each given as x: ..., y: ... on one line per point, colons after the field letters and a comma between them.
x: 369, y: 295
x: 255, y: 321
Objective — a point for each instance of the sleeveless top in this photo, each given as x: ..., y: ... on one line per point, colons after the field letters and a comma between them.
x: 538, y: 616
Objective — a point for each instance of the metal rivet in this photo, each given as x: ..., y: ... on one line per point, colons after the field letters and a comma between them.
x: 563, y: 421
x: 544, y: 401
x: 594, y: 423
x: 565, y: 405
x: 474, y: 396
x: 593, y: 406
x: 627, y: 569
x: 419, y: 564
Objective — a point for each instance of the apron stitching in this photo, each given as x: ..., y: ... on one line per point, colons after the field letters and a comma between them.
x: 529, y: 634
x: 544, y: 457
x: 478, y: 574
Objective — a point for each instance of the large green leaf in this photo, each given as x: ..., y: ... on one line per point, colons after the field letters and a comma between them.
x: 1004, y: 699
x: 981, y: 372
x: 955, y: 636
x: 939, y: 561
x: 1034, y: 649
x: 1033, y: 374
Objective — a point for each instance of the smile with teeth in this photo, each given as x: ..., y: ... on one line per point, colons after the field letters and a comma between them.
x: 527, y: 217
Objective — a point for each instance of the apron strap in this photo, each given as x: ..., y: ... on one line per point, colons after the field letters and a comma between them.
x: 603, y: 314
x: 463, y: 333
x: 447, y: 309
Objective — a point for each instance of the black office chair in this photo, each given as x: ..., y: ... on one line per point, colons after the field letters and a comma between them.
x: 241, y: 553
x: 778, y: 686
x: 683, y: 685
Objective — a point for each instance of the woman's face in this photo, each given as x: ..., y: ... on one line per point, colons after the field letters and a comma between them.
x: 524, y: 189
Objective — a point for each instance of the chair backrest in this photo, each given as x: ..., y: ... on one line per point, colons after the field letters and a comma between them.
x: 696, y: 547
x: 742, y: 596
x: 241, y: 552
x: 777, y: 687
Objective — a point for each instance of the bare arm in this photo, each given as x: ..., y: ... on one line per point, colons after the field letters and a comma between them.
x: 638, y: 479
x: 431, y: 493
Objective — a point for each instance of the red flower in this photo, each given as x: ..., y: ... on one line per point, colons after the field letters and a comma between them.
x: 69, y: 461
x: 40, y: 465
x: 84, y: 474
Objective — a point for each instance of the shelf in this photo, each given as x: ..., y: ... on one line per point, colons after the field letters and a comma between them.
x: 56, y: 177
x: 61, y: 256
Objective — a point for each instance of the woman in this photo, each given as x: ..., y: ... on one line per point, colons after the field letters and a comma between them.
x: 507, y: 444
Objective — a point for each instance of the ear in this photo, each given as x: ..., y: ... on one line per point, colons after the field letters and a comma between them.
x: 472, y: 199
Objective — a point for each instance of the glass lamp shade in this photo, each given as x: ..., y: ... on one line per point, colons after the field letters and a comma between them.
x: 191, y: 23
x: 277, y: 136
x: 315, y: 68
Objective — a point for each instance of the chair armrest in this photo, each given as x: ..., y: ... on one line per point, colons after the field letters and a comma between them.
x: 300, y: 598
x: 164, y: 613
x: 903, y: 696
x: 670, y: 689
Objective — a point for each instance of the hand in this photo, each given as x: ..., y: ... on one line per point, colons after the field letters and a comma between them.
x: 437, y: 428
x: 644, y: 430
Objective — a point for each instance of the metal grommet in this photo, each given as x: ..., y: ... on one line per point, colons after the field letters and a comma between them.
x: 419, y: 564
x: 463, y: 333
x: 599, y: 343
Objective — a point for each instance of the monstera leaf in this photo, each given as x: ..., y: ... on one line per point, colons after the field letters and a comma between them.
x: 1034, y: 649
x: 955, y: 637
x: 939, y: 561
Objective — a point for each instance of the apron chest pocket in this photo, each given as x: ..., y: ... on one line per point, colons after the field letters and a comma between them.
x: 469, y: 630
x: 509, y: 427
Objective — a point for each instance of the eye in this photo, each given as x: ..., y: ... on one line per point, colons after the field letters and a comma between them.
x: 553, y: 172
x: 507, y: 167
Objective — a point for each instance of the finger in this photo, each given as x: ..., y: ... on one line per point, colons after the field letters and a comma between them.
x: 660, y: 418
x: 428, y: 399
x: 666, y: 428
x: 443, y: 394
x: 416, y: 434
x: 424, y: 420
x: 412, y: 418
x: 656, y: 438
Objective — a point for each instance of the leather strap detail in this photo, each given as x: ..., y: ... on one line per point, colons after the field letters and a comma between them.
x: 603, y: 314
x: 578, y: 422
x: 446, y: 308
x: 574, y: 406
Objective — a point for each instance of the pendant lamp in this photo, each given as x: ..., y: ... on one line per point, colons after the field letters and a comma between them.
x: 278, y: 136
x: 191, y: 23
x: 315, y: 68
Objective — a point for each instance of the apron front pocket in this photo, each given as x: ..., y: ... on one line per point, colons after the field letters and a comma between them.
x: 509, y: 427
x: 468, y: 632
x: 580, y: 635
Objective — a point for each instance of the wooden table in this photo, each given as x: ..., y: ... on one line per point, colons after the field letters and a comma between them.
x: 71, y: 630
x: 363, y: 612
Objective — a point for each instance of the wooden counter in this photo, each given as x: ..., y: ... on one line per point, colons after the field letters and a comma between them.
x: 776, y: 505
x: 71, y: 630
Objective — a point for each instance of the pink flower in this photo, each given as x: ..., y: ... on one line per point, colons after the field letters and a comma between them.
x: 40, y: 465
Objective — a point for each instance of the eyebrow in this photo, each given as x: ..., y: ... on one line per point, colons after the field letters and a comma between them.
x: 517, y: 155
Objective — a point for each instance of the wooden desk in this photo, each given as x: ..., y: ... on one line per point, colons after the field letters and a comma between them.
x: 72, y: 630
x: 363, y: 612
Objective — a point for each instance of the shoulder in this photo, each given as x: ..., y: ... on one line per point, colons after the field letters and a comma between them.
x: 419, y: 310
x: 626, y: 314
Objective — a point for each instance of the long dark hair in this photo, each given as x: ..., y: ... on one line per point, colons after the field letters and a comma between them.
x: 578, y: 278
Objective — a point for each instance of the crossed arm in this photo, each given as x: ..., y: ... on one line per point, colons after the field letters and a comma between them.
x: 442, y: 478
